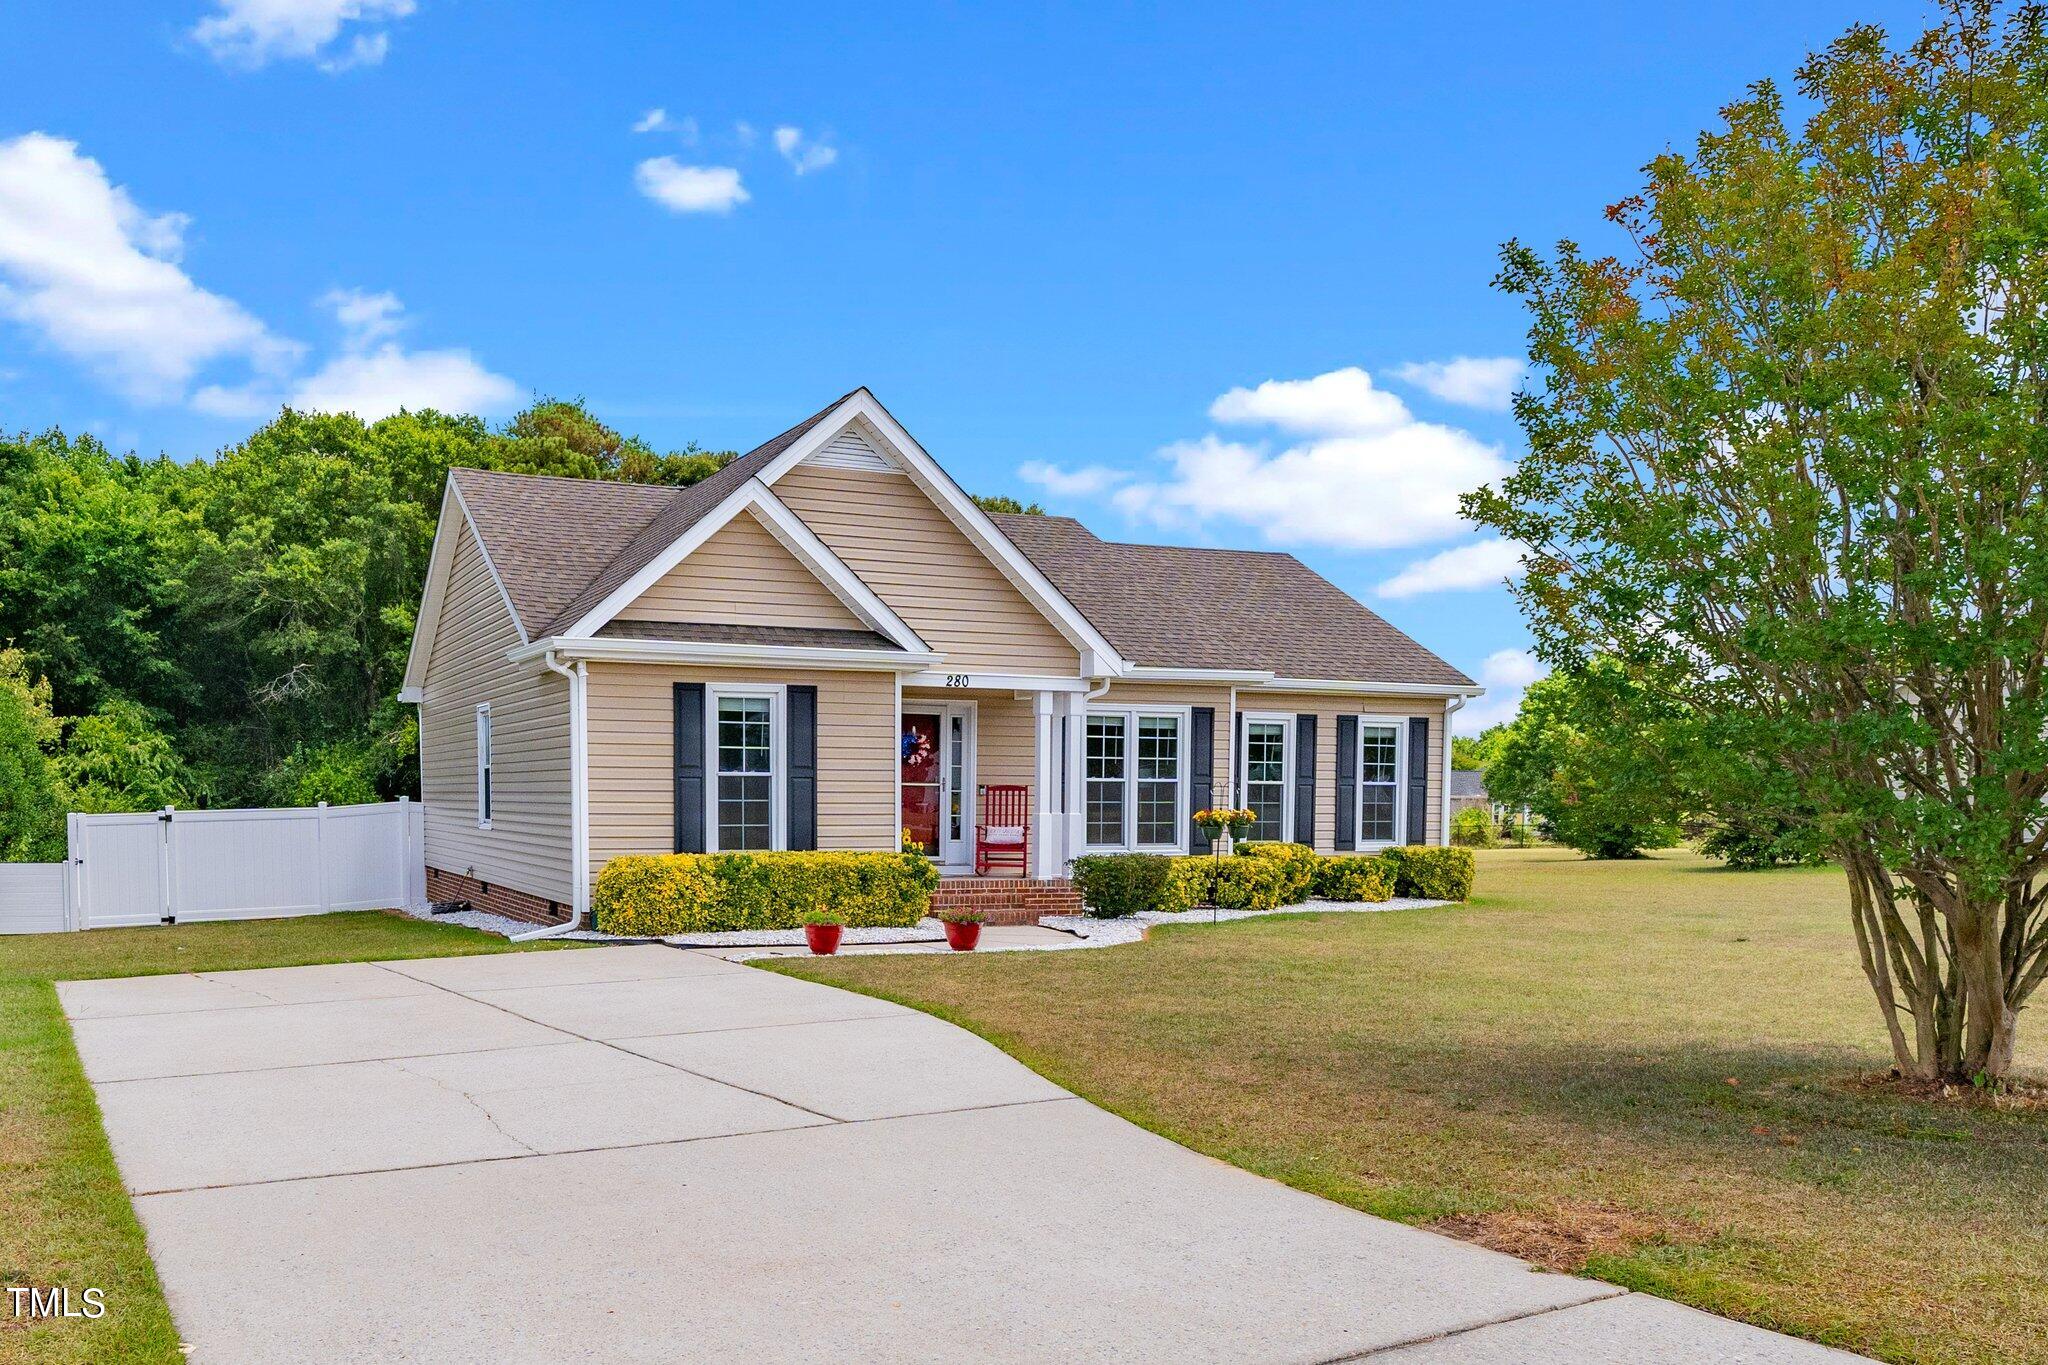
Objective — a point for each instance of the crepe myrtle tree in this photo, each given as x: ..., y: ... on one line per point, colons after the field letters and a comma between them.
x: 1788, y: 460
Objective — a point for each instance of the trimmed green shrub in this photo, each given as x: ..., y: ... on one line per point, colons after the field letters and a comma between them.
x: 693, y: 893
x: 1426, y: 872
x: 1253, y: 884
x: 1473, y: 827
x: 1298, y: 861
x: 1354, y: 877
x: 1114, y: 885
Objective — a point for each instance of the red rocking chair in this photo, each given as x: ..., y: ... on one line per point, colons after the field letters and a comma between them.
x: 1002, y: 833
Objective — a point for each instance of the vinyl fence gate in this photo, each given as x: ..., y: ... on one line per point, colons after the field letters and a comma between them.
x: 174, y: 866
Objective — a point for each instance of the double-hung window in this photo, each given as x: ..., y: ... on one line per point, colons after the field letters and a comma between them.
x: 746, y: 770
x: 1269, y: 775
x: 483, y: 766
x: 1134, y: 778
x: 1382, y: 765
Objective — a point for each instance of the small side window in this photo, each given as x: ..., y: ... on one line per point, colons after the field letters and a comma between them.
x: 483, y: 766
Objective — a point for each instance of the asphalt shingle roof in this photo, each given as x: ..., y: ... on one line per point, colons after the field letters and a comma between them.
x: 561, y: 546
x: 1175, y: 607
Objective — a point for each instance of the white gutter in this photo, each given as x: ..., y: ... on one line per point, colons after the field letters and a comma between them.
x: 579, y: 800
x: 1451, y: 708
x: 1370, y: 689
x: 613, y: 649
x: 1156, y: 673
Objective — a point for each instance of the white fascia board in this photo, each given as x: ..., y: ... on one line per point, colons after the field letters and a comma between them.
x: 411, y: 696
x: 961, y: 510
x: 1242, y: 676
x: 615, y: 650
x: 1353, y: 687
x: 834, y: 572
x: 439, y: 565
x: 995, y: 682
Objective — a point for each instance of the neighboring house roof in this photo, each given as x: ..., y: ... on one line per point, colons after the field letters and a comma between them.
x: 1469, y: 783
x: 701, y: 633
x: 1173, y: 607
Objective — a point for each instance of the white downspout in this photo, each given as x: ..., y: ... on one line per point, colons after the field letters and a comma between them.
x: 1452, y: 705
x: 579, y: 801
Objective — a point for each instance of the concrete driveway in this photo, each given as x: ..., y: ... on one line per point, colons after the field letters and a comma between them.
x: 644, y: 1154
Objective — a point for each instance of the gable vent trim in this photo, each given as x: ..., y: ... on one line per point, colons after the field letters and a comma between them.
x: 851, y: 450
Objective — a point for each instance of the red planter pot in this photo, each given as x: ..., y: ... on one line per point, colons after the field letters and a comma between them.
x: 823, y: 938
x: 961, y: 938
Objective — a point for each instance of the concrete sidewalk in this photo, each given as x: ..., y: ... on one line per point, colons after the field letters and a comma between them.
x: 644, y: 1154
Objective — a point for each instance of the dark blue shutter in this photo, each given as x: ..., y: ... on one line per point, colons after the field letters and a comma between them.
x: 1201, y: 771
x: 802, y: 791
x: 689, y: 767
x: 1418, y: 779
x: 1347, y: 783
x: 1305, y: 780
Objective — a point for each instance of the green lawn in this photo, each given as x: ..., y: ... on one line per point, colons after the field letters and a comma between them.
x: 1639, y: 1071
x: 64, y: 1215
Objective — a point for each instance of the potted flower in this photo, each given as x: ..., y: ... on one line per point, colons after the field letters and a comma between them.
x: 822, y: 929
x: 1212, y: 823
x: 1241, y: 822
x: 963, y: 928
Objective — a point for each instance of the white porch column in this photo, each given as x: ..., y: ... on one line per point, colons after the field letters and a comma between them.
x: 1077, y: 735
x: 1048, y: 822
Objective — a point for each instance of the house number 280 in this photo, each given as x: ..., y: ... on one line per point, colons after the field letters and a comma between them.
x: 958, y: 680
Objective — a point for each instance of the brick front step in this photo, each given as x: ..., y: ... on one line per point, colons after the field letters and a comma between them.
x: 1008, y: 900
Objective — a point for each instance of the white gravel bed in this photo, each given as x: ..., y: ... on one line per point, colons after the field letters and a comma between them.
x: 501, y: 925
x: 924, y: 931
x: 1106, y: 933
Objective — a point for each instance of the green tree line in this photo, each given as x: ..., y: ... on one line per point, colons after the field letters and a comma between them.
x: 233, y: 631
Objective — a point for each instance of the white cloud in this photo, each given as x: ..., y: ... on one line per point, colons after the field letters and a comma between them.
x: 1070, y: 483
x: 1505, y: 675
x: 373, y: 376
x: 1342, y: 402
x: 1372, y: 477
x: 658, y: 120
x: 253, y: 33
x: 1469, y: 381
x: 1482, y: 564
x: 97, y: 278
x: 804, y: 155
x: 690, y: 189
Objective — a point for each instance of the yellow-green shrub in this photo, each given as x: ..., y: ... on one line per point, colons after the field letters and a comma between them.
x: 1354, y: 877
x: 1190, y: 882
x: 1253, y: 884
x: 1427, y: 872
x: 695, y: 893
x: 1298, y: 861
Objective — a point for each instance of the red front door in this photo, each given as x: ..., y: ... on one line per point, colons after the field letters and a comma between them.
x: 922, y: 775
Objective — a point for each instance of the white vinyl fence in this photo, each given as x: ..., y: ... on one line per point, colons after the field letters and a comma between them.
x: 173, y: 866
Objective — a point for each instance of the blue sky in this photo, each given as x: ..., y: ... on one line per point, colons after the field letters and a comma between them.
x: 1193, y: 273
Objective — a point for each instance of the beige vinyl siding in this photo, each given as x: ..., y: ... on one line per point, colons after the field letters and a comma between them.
x: 742, y: 576
x: 915, y: 559
x: 1326, y: 709
x: 632, y: 755
x: 527, y: 846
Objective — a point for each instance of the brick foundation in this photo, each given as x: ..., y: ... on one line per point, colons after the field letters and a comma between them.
x: 499, y: 900
x: 1008, y: 900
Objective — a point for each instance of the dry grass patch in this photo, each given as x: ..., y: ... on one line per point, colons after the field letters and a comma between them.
x: 1639, y: 1070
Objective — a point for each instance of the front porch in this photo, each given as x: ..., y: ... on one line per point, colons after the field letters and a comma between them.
x: 998, y: 765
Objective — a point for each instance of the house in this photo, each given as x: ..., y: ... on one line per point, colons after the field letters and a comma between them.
x: 827, y: 643
x: 1468, y: 788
